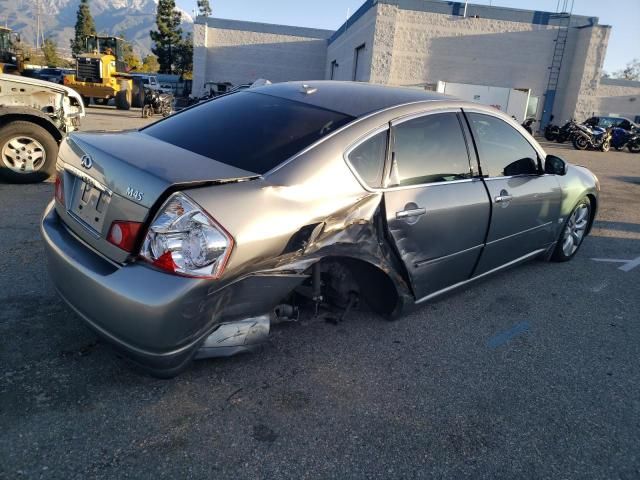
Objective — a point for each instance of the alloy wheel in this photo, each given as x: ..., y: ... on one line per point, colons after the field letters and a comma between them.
x: 575, y: 229
x: 23, y: 154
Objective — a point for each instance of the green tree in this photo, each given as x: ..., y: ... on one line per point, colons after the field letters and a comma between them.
x: 50, y: 53
x: 184, y: 57
x: 168, y: 37
x: 85, y: 26
x: 204, y: 8
x: 128, y: 54
x: 150, y: 64
x: 630, y: 72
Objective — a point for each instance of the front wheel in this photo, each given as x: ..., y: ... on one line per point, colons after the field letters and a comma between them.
x: 147, y: 111
x: 123, y: 99
x: 27, y: 153
x: 634, y: 148
x: 573, y: 232
x: 580, y: 143
x: 605, y: 146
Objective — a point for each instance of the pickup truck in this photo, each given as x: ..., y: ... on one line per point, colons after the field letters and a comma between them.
x: 35, y: 115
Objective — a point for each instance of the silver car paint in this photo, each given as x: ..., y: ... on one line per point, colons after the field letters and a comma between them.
x: 162, y: 319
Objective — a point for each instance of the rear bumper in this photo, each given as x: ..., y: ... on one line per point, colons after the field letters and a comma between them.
x: 157, y: 319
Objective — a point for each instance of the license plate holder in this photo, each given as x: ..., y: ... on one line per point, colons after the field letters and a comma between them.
x: 89, y: 204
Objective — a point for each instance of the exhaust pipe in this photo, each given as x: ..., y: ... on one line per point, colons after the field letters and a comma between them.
x: 236, y: 337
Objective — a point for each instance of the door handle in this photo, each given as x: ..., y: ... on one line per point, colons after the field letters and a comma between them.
x: 414, y: 212
x: 503, y: 198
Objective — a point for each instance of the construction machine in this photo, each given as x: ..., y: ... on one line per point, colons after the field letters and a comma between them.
x: 101, y: 72
x: 11, y: 55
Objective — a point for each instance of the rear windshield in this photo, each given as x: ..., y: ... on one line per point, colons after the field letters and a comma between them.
x: 248, y: 130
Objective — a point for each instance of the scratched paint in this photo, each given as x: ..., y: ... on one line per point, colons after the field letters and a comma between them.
x: 503, y: 337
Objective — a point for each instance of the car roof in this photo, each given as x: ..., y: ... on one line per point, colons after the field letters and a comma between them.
x: 351, y: 98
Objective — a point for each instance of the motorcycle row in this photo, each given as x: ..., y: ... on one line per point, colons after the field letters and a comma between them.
x: 589, y: 135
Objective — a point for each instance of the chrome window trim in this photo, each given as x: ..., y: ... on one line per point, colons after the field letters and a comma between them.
x: 368, y: 136
x: 413, y: 116
x: 388, y: 126
x: 340, y: 130
x: 513, y: 124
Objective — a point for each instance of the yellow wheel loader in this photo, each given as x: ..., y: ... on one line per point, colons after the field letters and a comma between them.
x: 101, y: 73
x: 11, y: 55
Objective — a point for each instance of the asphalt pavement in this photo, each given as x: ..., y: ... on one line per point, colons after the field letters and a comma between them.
x: 533, y: 373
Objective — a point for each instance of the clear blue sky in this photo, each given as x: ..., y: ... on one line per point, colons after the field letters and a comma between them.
x: 622, y: 15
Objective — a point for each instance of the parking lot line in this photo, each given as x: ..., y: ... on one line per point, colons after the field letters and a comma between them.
x: 503, y: 337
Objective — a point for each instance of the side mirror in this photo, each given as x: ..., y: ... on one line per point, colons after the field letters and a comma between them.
x: 555, y: 165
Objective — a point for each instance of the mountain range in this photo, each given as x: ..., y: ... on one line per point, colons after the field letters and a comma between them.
x: 131, y: 18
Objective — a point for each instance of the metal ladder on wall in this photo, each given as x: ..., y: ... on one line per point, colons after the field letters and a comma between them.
x: 563, y: 14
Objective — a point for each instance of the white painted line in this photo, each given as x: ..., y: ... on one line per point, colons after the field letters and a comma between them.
x: 628, y: 264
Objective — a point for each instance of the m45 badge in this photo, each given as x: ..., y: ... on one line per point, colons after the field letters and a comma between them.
x: 135, y: 194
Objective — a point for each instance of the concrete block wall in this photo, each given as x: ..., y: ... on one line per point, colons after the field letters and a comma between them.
x: 428, y: 47
x: 342, y: 50
x: 241, y: 52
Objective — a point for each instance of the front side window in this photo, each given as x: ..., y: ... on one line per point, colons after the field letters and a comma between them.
x: 503, y: 150
x: 368, y: 159
x: 429, y: 149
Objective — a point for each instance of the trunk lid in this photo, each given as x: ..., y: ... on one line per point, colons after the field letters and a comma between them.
x: 110, y: 177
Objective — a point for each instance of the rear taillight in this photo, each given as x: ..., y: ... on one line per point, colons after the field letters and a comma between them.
x: 124, y: 234
x: 183, y: 238
x: 59, y: 188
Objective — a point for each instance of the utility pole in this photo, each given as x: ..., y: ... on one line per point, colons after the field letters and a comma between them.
x: 37, y: 24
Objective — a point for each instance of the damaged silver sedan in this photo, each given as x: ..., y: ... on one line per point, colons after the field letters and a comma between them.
x: 188, y: 238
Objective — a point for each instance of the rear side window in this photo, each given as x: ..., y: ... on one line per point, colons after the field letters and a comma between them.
x: 248, y: 130
x: 430, y: 149
x: 503, y: 151
x: 368, y: 159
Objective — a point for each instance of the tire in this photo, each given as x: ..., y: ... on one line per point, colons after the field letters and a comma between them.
x: 18, y: 137
x: 580, y: 143
x: 123, y: 100
x: 606, y: 146
x: 147, y: 111
x: 550, y: 136
x: 573, y: 232
x: 635, y: 148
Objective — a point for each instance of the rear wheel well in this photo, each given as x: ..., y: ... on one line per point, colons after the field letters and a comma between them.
x: 25, y: 117
x: 369, y: 281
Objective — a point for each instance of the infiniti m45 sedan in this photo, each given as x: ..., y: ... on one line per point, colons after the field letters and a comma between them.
x: 190, y: 237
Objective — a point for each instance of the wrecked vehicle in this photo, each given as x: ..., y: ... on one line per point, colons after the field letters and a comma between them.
x: 184, y: 240
x: 34, y: 117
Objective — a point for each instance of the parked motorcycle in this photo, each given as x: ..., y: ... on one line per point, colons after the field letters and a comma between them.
x: 156, y: 102
x: 621, y: 138
x: 592, y: 138
x: 527, y: 125
x: 566, y: 132
x: 551, y: 132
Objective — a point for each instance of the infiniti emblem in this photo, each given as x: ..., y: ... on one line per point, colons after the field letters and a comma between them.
x: 86, y: 161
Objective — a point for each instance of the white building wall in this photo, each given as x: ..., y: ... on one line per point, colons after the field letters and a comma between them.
x: 241, y: 52
x: 342, y: 50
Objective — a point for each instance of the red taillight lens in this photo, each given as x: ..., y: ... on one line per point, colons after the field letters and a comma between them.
x: 124, y: 234
x: 59, y: 188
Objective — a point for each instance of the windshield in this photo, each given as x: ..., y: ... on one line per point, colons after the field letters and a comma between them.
x: 248, y: 130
